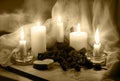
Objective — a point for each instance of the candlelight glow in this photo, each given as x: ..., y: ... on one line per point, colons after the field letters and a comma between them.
x: 78, y: 27
x: 38, y: 24
x: 59, y: 18
x: 97, y: 40
x: 22, y: 34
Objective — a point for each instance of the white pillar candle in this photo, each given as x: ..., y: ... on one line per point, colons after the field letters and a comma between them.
x: 38, y: 39
x: 22, y: 42
x: 78, y: 40
x: 60, y: 30
x: 97, y: 47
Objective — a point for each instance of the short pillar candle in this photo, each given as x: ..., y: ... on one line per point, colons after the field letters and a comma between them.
x: 78, y: 39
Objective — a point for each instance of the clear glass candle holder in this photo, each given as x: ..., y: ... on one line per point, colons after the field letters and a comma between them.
x: 97, y: 59
x: 22, y: 59
x: 100, y: 59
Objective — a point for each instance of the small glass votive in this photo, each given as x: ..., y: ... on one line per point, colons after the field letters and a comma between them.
x: 21, y: 59
x: 97, y: 59
x: 100, y: 59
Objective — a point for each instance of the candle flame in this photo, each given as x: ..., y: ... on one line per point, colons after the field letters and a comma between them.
x: 59, y: 18
x: 97, y: 40
x: 38, y: 24
x: 22, y: 33
x: 78, y: 27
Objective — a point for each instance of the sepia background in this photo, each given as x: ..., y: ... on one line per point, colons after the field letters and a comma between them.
x: 92, y: 14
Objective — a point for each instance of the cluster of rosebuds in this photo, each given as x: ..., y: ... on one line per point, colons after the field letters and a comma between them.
x: 67, y: 57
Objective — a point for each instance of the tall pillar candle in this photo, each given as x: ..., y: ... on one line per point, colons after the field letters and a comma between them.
x: 38, y: 39
x: 78, y: 40
x: 60, y: 30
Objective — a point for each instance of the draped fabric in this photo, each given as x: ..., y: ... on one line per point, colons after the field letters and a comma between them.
x: 118, y: 15
x: 91, y: 14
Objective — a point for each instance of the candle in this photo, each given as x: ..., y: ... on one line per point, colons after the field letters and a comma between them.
x: 60, y: 30
x: 38, y: 39
x: 97, y: 47
x: 23, y: 50
x: 78, y: 39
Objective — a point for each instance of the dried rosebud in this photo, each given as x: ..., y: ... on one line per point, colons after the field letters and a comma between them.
x: 97, y: 67
x: 41, y: 56
x: 82, y: 51
x: 77, y: 67
x: 88, y: 64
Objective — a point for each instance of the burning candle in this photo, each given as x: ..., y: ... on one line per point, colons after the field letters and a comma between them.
x: 38, y: 39
x: 78, y: 39
x: 60, y: 30
x: 97, y: 47
x: 23, y: 50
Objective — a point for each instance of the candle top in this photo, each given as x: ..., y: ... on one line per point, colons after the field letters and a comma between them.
x: 38, y: 27
x: 78, y: 33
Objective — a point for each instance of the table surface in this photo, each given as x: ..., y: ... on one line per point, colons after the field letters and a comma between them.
x: 10, y: 76
x: 57, y: 74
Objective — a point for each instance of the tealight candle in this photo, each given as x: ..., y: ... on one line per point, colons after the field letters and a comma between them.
x: 22, y: 42
x: 60, y: 30
x: 97, y: 47
x: 78, y: 39
x: 38, y: 39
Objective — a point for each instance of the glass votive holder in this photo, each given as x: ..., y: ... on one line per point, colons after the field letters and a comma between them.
x: 22, y: 59
x: 101, y: 59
